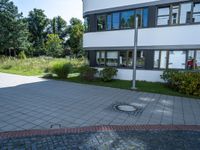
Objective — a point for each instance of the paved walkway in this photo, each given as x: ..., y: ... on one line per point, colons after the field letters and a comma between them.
x: 34, y: 103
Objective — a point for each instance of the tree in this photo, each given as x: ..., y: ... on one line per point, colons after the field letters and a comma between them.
x: 37, y: 24
x: 13, y: 29
x: 58, y: 26
x: 75, y: 30
x: 54, y: 46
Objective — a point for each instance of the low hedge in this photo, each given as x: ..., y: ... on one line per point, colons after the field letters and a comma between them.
x: 87, y: 73
x: 182, y: 81
x: 108, y: 73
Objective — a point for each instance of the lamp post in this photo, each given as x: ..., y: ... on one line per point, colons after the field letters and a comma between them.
x: 134, y: 54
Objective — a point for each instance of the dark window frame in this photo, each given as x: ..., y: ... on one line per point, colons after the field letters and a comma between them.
x: 105, y: 19
x: 174, y: 4
x: 167, y: 61
x: 157, y: 16
x: 195, y: 12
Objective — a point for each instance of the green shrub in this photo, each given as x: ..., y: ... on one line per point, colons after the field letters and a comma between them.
x: 108, y: 73
x: 184, y: 82
x: 22, y: 55
x: 87, y: 73
x: 61, y: 69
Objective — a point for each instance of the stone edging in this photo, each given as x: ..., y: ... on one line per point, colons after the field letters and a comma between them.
x: 49, y: 132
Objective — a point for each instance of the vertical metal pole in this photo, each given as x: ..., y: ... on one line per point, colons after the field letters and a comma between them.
x: 134, y: 54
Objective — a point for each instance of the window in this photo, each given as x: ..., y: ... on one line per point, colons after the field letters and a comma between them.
x: 100, y: 58
x: 163, y: 16
x: 191, y: 59
x: 108, y: 22
x: 196, y: 13
x: 130, y: 59
x: 175, y: 15
x: 177, y: 59
x: 139, y: 15
x: 163, y: 59
x: 185, y: 13
x: 86, y: 24
x: 156, y: 59
x: 101, y: 23
x: 140, y: 59
x: 145, y: 18
x: 115, y: 20
x: 198, y: 59
x: 112, y: 59
x: 123, y: 59
x: 127, y: 19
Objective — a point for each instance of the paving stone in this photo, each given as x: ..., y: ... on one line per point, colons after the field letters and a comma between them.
x: 80, y: 105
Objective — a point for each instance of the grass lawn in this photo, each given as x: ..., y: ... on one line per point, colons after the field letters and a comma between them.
x: 142, y: 86
x: 31, y: 66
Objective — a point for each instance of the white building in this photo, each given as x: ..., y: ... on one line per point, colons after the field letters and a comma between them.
x: 168, y: 36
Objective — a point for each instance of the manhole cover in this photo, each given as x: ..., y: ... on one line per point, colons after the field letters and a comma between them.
x: 126, y: 108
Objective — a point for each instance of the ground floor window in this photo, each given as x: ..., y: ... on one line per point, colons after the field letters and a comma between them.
x: 112, y: 59
x: 100, y: 58
x: 149, y: 59
x: 122, y: 59
x: 177, y: 59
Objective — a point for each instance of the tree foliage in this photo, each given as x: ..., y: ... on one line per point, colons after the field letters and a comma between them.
x: 58, y: 26
x: 31, y: 34
x: 13, y: 29
x: 75, y: 31
x: 54, y: 46
x: 37, y: 24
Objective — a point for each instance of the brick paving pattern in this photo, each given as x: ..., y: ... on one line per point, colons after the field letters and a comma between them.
x: 121, y: 138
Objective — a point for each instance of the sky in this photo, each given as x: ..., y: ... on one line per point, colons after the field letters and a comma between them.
x: 64, y: 8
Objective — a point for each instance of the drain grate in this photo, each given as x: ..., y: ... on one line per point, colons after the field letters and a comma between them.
x: 127, y: 108
x: 55, y: 126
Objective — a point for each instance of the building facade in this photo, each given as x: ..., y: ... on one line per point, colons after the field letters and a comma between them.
x: 168, y: 35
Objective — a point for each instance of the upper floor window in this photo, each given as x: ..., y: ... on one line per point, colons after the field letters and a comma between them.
x: 108, y: 22
x: 139, y: 15
x: 115, y: 20
x: 196, y: 13
x: 185, y: 13
x: 127, y: 19
x: 163, y: 16
x: 86, y: 24
x: 101, y: 22
x: 145, y: 16
x: 175, y: 14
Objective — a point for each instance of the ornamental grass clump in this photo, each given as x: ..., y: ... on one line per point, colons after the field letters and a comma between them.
x: 61, y: 68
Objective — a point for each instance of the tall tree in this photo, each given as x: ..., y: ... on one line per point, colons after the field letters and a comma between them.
x: 75, y: 31
x: 54, y: 46
x: 37, y: 24
x: 13, y: 30
x: 58, y: 26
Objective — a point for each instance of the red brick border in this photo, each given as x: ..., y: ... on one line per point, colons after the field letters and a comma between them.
x: 28, y: 133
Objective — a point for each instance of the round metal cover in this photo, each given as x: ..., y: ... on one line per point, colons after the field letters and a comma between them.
x: 126, y: 108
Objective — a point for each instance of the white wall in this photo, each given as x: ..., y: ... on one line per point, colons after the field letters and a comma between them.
x: 109, y: 38
x: 142, y: 75
x: 91, y: 5
x: 178, y: 35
